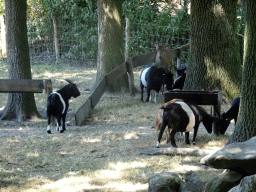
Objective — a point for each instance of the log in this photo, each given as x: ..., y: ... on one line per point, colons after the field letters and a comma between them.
x: 178, y: 151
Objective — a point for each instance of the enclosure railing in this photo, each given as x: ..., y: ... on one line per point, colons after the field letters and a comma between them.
x: 127, y: 67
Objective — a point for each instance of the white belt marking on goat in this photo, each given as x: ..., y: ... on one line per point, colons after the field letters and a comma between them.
x: 143, y: 76
x: 190, y: 113
x: 62, y: 101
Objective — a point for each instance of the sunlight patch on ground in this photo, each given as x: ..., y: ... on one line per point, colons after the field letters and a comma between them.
x: 187, y: 168
x: 84, y: 183
x: 131, y: 136
x: 127, y: 186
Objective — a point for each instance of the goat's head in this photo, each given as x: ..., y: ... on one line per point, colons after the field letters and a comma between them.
x: 168, y: 80
x: 207, y: 122
x: 73, y: 89
x: 222, y: 122
x: 181, y: 71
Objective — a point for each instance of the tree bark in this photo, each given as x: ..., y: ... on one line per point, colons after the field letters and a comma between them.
x: 246, y: 122
x: 19, y: 105
x: 214, y: 62
x: 110, y: 42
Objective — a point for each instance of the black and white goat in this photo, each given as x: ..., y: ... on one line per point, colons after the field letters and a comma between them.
x: 153, y: 78
x: 225, y: 118
x: 182, y: 117
x: 57, y: 105
x: 179, y: 82
x: 159, y: 120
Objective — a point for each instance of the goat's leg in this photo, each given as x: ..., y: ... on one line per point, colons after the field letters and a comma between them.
x: 187, y: 137
x: 173, y: 132
x: 148, y: 94
x: 195, y: 133
x: 58, y: 123
x: 141, y: 90
x: 162, y: 129
x: 49, y: 121
x: 63, y: 124
x: 168, y: 138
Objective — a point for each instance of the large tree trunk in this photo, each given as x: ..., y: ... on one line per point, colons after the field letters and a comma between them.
x: 246, y: 122
x: 215, y: 62
x: 19, y: 105
x: 110, y: 42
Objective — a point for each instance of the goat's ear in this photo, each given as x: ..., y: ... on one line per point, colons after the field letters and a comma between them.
x: 69, y: 81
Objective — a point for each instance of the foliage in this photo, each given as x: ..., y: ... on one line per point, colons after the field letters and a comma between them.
x: 77, y: 26
x: 154, y: 22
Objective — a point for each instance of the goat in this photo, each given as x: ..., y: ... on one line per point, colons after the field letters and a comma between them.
x: 182, y: 117
x: 159, y: 120
x: 179, y: 82
x: 224, y: 119
x: 164, y: 57
x: 57, y: 105
x: 153, y: 77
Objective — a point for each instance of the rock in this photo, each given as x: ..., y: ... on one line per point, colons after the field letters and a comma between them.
x: 165, y: 182
x: 247, y: 184
x: 224, y: 182
x: 193, y: 183
x: 240, y: 157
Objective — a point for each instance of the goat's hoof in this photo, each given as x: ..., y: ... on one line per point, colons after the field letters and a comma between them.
x: 49, y: 131
x: 194, y: 143
x: 61, y: 131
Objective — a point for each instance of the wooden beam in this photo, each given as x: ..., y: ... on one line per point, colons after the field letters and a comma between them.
x: 178, y: 151
x: 21, y: 86
x: 144, y: 59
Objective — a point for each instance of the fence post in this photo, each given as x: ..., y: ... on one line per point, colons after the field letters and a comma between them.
x: 127, y: 38
x: 129, y: 67
x: 178, y: 58
x: 56, y: 37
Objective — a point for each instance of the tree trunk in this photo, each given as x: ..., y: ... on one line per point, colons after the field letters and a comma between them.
x: 246, y: 122
x: 110, y: 42
x: 214, y: 62
x: 19, y: 105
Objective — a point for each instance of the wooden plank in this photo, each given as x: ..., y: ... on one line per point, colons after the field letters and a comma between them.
x: 112, y: 76
x: 98, y: 92
x: 178, y: 151
x: 21, y: 86
x: 83, y: 112
x: 198, y: 97
x: 144, y: 59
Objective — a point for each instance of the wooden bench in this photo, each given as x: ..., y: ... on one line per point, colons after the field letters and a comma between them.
x: 26, y: 86
x: 200, y: 98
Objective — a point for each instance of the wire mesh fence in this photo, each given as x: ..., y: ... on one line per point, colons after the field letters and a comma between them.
x: 78, y: 37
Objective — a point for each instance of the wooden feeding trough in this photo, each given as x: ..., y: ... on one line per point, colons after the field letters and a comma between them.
x: 213, y: 98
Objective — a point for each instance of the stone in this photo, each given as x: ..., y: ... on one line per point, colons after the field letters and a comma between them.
x: 240, y: 157
x: 193, y: 183
x: 165, y: 182
x: 224, y: 182
x: 247, y: 184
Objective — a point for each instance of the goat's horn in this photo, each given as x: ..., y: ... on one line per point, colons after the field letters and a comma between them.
x: 69, y: 81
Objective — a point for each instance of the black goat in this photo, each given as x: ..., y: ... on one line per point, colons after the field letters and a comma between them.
x: 153, y: 77
x: 57, y: 105
x: 179, y: 82
x: 182, y: 117
x: 225, y: 118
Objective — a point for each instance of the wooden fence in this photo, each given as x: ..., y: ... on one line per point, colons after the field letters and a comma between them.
x: 127, y: 67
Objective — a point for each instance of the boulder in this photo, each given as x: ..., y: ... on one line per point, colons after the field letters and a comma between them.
x: 193, y: 183
x: 240, y: 157
x: 165, y: 182
x: 247, y: 184
x: 224, y: 182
